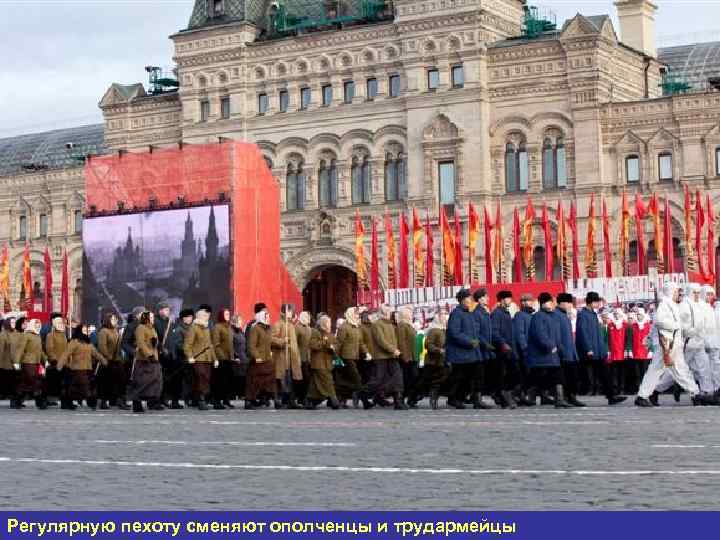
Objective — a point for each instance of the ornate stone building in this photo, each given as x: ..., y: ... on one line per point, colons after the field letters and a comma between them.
x: 364, y: 106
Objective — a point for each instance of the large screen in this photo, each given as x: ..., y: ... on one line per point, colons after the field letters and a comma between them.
x: 178, y: 256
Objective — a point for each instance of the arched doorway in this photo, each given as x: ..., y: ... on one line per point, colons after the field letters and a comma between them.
x: 331, y: 289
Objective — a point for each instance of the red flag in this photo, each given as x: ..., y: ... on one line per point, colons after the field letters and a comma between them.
x: 418, y: 262
x: 374, y: 263
x: 528, y: 247
x: 590, y: 253
x: 668, y: 240
x: 688, y: 228
x: 517, y: 251
x: 5, y: 279
x: 624, y: 233
x: 27, y: 279
x: 606, y: 240
x: 48, y: 299
x: 390, y: 248
x: 710, y: 238
x: 473, y: 230
x: 498, y: 245
x: 549, y: 262
x: 654, y: 210
x: 699, y: 224
x: 640, y: 212
x: 459, y: 278
x: 360, y: 263
x: 448, y: 250
x: 404, y: 281
x: 65, y: 288
x: 430, y: 264
x: 572, y: 223
x: 560, y: 244
x: 488, y: 248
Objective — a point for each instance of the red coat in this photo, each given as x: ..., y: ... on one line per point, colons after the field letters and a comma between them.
x: 616, y: 342
x: 639, y: 349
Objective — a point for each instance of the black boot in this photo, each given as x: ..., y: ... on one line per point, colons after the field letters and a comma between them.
x: 614, y: 400
x: 310, y: 404
x: 523, y: 401
x: 380, y: 401
x: 227, y: 404
x: 41, y: 403
x: 367, y: 404
x: 399, y: 402
x: 642, y: 402
x: 434, y: 397
x: 249, y: 406
x: 202, y: 406
x: 68, y: 405
x: 218, y: 406
x: 13, y: 403
x: 333, y: 403
x: 456, y: 403
x: 531, y: 397
x: 122, y: 405
x: 356, y: 400
x: 574, y: 401
x: 278, y: 404
x: 176, y: 405
x: 654, y: 399
x: 546, y: 399
x: 560, y: 402
x: 156, y: 406
x: 104, y: 405
x: 294, y: 405
x: 137, y: 407
x: 677, y: 391
x: 508, y: 401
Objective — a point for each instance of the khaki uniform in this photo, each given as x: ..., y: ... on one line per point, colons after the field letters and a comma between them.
x: 261, y: 371
x: 223, y: 342
x: 28, y: 349
x: 321, y: 363
x: 146, y: 381
x: 302, y: 334
x: 198, y: 344
x: 351, y: 348
x: 6, y: 360
x: 79, y: 356
x: 55, y: 345
x: 146, y: 344
x: 109, y: 344
x: 406, y: 341
x: 384, y: 339
x: 435, y: 347
x: 112, y: 377
x: 286, y: 354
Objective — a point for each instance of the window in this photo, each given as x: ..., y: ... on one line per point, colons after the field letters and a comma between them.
x: 446, y: 175
x: 372, y: 89
x: 327, y: 95
x: 284, y: 100
x: 433, y: 79
x: 394, y: 84
x: 360, y: 180
x: 295, y: 188
x: 78, y: 221
x: 665, y: 167
x: 632, y: 169
x: 43, y: 225
x: 22, y: 228
x: 327, y: 184
x: 304, y: 98
x: 554, y: 166
x: 516, y: 168
x: 225, y: 108
x: 218, y: 7
x: 717, y: 161
x: 348, y: 92
x: 262, y: 103
x: 458, y: 77
x: 395, y: 180
x: 204, y: 110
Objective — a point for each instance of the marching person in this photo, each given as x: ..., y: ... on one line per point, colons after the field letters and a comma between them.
x: 544, y: 345
x: 176, y: 344
x: 668, y: 357
x: 8, y: 375
x: 487, y: 358
x: 591, y: 346
x: 351, y: 350
x: 521, y: 327
x: 201, y: 355
x: 386, y: 378
x: 146, y: 379
x: 78, y: 357
x: 287, y: 357
x: 695, y: 323
x: 222, y: 374
x: 240, y: 364
x: 569, y: 361
x: 112, y: 378
x: 322, y: 354
x: 712, y: 337
x: 502, y: 341
x: 55, y: 344
x: 616, y: 344
x: 261, y: 371
x: 303, y: 332
x: 29, y: 360
x: 406, y: 336
x: 172, y: 371
x: 640, y: 352
x: 366, y: 324
x: 434, y: 372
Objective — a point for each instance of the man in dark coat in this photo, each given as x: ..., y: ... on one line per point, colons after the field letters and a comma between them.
x: 568, y: 354
x: 463, y: 351
x: 489, y: 382
x: 172, y: 372
x: 521, y: 327
x: 502, y: 341
x: 591, y: 346
x: 543, y: 352
x: 175, y: 345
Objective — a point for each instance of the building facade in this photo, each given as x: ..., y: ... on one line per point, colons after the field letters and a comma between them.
x: 375, y: 107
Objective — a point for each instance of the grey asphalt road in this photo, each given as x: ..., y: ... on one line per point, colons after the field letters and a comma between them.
x: 595, y: 458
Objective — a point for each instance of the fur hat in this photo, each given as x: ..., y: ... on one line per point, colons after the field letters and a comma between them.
x: 204, y: 307
x: 565, y: 297
x: 259, y: 307
x: 592, y: 297
x: 478, y: 294
x: 502, y: 295
x: 56, y: 315
x: 162, y: 305
x: 462, y: 294
x: 544, y: 297
x: 186, y: 312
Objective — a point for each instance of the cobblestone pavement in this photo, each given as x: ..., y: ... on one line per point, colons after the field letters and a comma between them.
x: 540, y: 458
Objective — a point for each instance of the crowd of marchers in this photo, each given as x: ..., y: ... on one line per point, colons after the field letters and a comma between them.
x: 508, y: 355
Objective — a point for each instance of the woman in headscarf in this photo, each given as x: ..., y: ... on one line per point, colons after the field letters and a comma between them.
x: 261, y: 371
x: 29, y: 359
x: 303, y: 331
x: 434, y: 372
x: 8, y: 375
x: 201, y: 355
x: 322, y: 351
x: 288, y: 370
x: 78, y: 358
x: 616, y: 346
x: 352, y: 350
x: 222, y: 375
x: 146, y: 374
x: 111, y: 377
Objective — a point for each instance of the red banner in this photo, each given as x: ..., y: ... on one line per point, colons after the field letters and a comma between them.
x: 572, y: 223
x: 517, y: 251
x: 459, y: 277
x: 549, y: 262
x: 640, y: 213
x: 488, y: 247
x: 668, y: 240
x: 404, y: 281
x: 606, y: 240
x: 430, y: 266
x: 710, y: 239
x: 48, y: 297
x: 699, y: 224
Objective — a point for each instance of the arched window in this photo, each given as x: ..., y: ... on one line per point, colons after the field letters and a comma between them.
x: 665, y: 167
x: 295, y: 188
x: 360, y: 180
x: 516, y: 167
x: 395, y: 180
x: 554, y: 164
x: 327, y: 184
x: 78, y: 222
x: 717, y: 161
x: 632, y: 169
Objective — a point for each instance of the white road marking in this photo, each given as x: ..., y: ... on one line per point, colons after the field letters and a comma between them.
x: 686, y: 446
x: 382, y: 470
x: 229, y: 443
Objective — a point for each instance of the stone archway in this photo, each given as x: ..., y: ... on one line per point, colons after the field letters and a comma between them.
x: 331, y: 289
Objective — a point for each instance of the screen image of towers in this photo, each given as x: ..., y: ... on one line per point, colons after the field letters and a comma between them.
x: 177, y: 256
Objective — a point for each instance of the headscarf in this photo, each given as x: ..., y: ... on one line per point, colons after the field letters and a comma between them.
x: 405, y: 314
x: 304, y: 318
x: 351, y: 316
x: 202, y: 318
x: 641, y: 315
x: 386, y: 311
x: 262, y: 317
x: 669, y: 289
x: 618, y: 318
x: 440, y: 320
x: 33, y: 326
